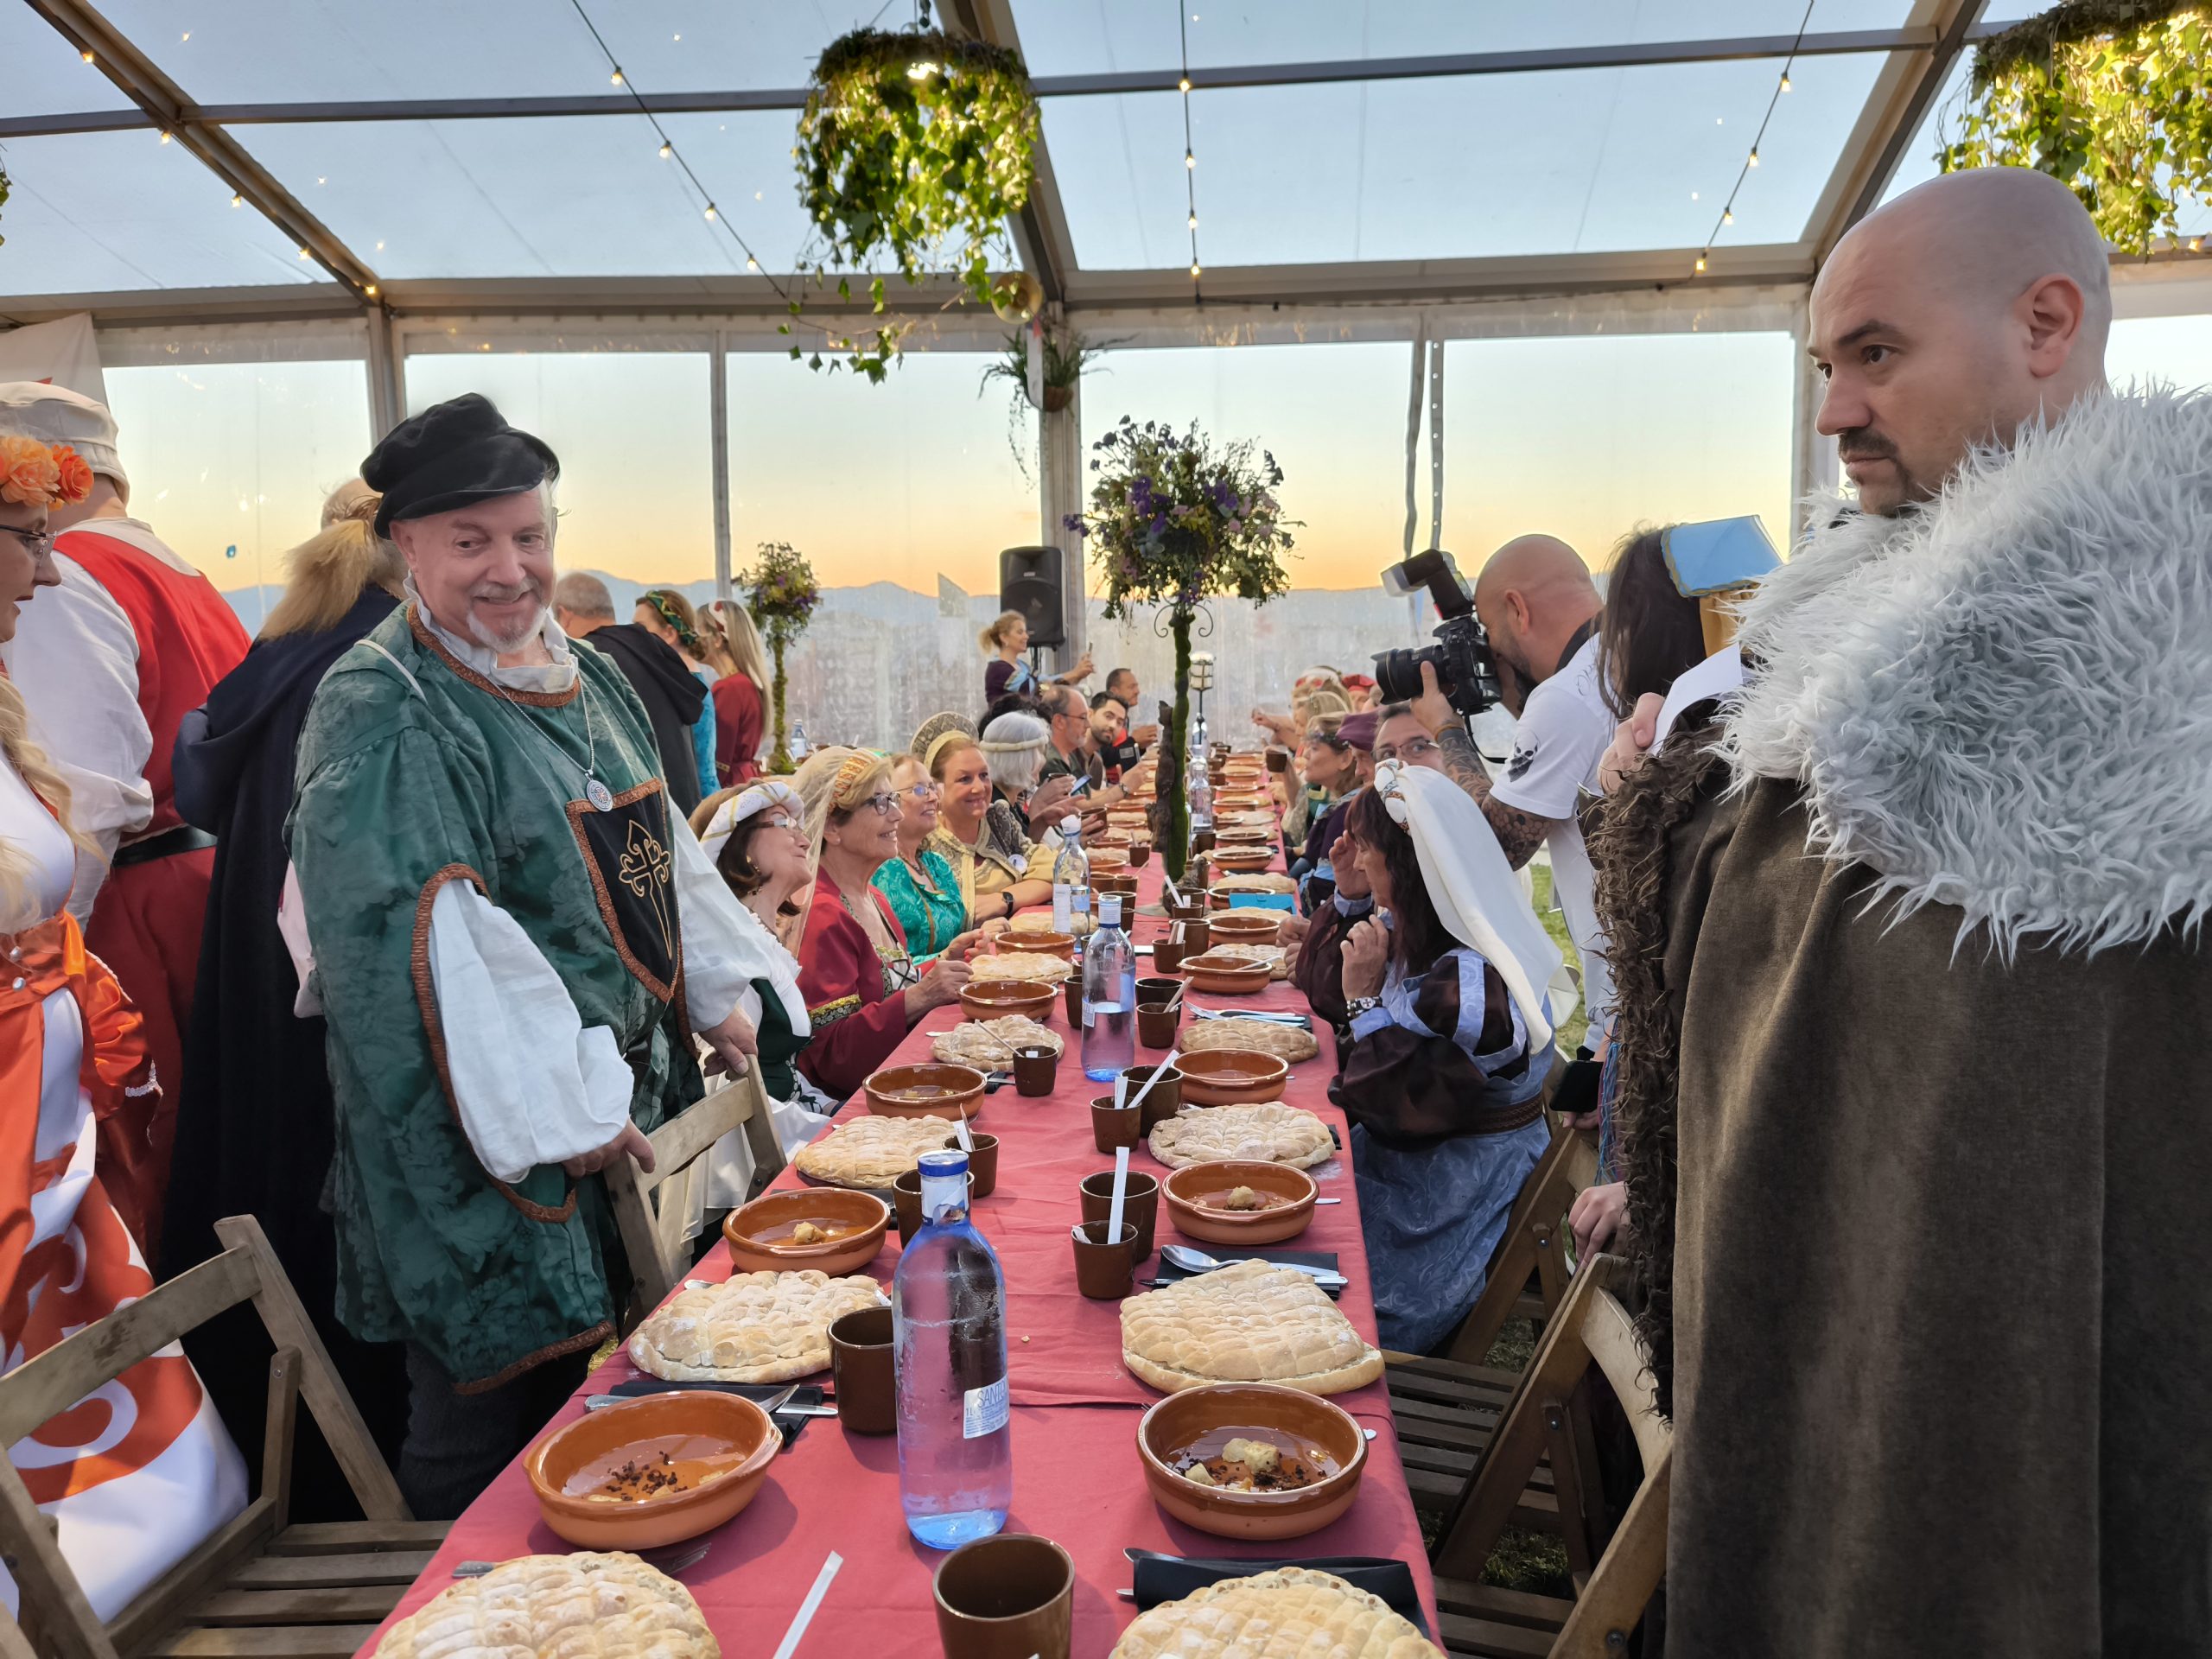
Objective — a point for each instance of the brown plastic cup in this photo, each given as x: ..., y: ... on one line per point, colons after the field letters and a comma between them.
x: 1072, y: 993
x: 1140, y: 854
x: 1157, y: 1024
x: 1163, y: 1099
x: 1198, y: 938
x: 860, y: 1368
x: 1166, y: 953
x: 1139, y: 1205
x: 1011, y: 1597
x: 1157, y: 987
x: 1034, y: 1068
x: 906, y: 1199
x: 983, y: 1163
x: 1102, y: 1270
x: 1114, y: 1126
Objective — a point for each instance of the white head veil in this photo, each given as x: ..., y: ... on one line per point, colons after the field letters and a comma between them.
x: 748, y: 802
x: 1473, y: 888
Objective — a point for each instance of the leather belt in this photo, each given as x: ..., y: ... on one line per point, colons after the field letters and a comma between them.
x: 182, y: 839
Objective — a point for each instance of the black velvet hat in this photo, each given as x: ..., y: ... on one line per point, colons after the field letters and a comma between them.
x: 450, y: 455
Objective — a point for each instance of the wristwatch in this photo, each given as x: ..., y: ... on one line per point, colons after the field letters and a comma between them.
x: 1356, y: 1006
x: 1007, y: 894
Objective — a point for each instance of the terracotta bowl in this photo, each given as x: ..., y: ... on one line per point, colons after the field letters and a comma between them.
x: 1243, y: 863
x: 1034, y: 944
x: 1207, y: 972
x: 1232, y: 1077
x: 1210, y: 1223
x: 993, y: 999
x: 756, y: 1247
x: 1106, y: 861
x: 955, y: 1091
x: 1247, y: 927
x: 723, y: 1427
x: 1126, y: 817
x: 1165, y: 1434
x: 1112, y: 840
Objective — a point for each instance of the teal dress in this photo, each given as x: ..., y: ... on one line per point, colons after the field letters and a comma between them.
x: 931, y: 912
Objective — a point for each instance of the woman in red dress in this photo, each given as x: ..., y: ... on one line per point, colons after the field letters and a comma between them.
x: 864, y: 991
x: 734, y: 650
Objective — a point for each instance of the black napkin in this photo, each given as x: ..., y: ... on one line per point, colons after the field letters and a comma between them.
x: 1157, y: 1578
x: 758, y: 1393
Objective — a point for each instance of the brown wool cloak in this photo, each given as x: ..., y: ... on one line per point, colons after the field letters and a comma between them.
x: 1940, y: 1353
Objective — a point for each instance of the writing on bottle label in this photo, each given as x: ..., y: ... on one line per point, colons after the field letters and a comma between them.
x: 1090, y: 1014
x: 983, y: 1411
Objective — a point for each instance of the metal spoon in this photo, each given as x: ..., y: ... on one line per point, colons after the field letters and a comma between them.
x: 1190, y: 1260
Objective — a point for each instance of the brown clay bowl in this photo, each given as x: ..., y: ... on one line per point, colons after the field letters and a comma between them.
x: 1247, y: 927
x: 1167, y: 1431
x: 758, y: 1233
x: 934, y: 1090
x: 1033, y: 944
x: 1108, y: 860
x: 722, y: 1429
x: 993, y: 999
x: 1243, y: 863
x: 1232, y: 1077
x: 1208, y: 972
x: 1186, y: 1190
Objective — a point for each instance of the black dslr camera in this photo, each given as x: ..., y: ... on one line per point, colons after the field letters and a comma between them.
x: 1465, y: 671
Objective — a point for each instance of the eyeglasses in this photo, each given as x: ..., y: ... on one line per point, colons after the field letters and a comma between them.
x: 885, y: 804
x: 777, y: 821
x: 38, y: 543
x: 920, y: 791
x: 1408, y: 750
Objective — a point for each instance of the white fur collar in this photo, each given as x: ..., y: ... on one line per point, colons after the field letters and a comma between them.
x: 2003, y: 702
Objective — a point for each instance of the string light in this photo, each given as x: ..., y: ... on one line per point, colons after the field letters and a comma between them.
x: 165, y: 137
x: 371, y: 290
x: 238, y: 201
x: 617, y: 76
x: 1190, y: 150
x: 87, y: 56
x: 710, y: 210
x: 667, y: 150
x: 1752, y: 159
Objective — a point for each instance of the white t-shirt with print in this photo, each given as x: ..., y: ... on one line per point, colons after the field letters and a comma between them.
x: 1564, y: 731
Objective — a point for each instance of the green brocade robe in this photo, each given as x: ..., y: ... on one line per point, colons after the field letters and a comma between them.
x: 402, y: 788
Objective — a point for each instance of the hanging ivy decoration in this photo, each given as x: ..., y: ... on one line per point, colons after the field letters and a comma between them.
x: 919, y: 145
x: 2111, y: 98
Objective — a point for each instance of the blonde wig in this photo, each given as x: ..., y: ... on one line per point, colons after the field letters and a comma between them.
x: 18, y: 908
x: 325, y: 575
x: 834, y: 780
x: 734, y: 642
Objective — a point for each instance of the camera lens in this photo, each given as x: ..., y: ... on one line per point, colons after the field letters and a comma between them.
x: 1397, y: 673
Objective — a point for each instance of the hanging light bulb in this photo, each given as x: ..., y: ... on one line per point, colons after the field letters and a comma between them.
x: 1184, y: 85
x: 1700, y: 261
x: 238, y: 201
x: 667, y: 150
x: 1727, y: 215
x: 1194, y: 268
x: 87, y: 56
x: 1189, y: 159
x: 710, y: 210
x: 751, y: 263
x: 165, y: 137
x: 1194, y: 221
x: 1755, y: 158
x: 1785, y: 80
x: 371, y: 290
x: 616, y: 76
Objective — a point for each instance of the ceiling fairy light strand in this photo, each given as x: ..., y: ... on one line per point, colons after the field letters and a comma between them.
x: 1781, y: 86
x: 1189, y: 155
x: 668, y: 152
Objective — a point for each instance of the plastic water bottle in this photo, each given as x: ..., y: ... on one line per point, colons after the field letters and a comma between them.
x: 1071, y: 881
x: 948, y: 1322
x: 1110, y: 996
x: 799, y: 745
x: 1198, y: 785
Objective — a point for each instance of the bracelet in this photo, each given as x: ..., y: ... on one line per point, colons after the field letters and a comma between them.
x: 1356, y: 1006
x: 1007, y: 894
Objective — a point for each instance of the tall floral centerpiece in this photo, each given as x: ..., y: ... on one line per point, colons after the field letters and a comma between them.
x: 1174, y: 521
x: 781, y: 593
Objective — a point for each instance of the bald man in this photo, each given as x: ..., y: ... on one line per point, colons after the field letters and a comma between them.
x: 1914, y: 996
x: 1535, y: 601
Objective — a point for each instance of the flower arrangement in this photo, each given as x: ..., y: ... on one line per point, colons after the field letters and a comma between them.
x: 919, y: 144
x: 2106, y: 96
x: 33, y: 475
x: 781, y: 593
x: 1173, y: 521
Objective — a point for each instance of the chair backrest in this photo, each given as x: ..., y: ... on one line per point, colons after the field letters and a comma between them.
x: 1590, y: 1329
x: 54, y: 1609
x: 1535, y: 1242
x: 652, y: 1235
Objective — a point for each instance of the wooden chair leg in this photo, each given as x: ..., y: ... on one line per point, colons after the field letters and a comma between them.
x: 1569, y: 1489
x: 276, y: 1435
x: 1620, y: 1589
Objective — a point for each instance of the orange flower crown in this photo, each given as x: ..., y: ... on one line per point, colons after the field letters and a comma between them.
x: 32, y: 475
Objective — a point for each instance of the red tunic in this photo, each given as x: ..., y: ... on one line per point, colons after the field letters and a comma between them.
x: 147, y: 920
x: 857, y: 1020
x: 737, y: 730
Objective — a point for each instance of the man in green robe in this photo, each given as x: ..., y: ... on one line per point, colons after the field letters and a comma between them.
x: 1914, y: 994
x: 515, y: 939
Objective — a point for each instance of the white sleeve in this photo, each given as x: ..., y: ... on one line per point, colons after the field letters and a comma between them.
x: 531, y: 1084
x: 725, y: 946
x: 1556, y: 747
x: 75, y: 659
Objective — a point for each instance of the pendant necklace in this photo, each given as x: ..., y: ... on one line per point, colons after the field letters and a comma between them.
x: 601, y: 797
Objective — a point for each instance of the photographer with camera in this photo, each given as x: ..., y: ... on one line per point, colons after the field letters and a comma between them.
x: 1526, y: 637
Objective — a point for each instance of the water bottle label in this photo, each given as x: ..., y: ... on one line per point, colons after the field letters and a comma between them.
x: 1090, y: 1015
x: 982, y: 1411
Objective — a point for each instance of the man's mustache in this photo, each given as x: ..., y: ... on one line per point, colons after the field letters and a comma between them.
x: 499, y: 592
x: 1858, y: 443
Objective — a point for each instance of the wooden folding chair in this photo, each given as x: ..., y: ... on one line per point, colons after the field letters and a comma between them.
x: 1615, y: 1576
x: 1445, y: 1408
x: 652, y: 1235
x: 260, y: 1585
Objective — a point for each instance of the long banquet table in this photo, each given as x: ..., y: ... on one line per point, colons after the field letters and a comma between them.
x: 1077, y: 1477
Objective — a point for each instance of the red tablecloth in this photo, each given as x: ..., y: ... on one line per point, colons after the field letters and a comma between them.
x: 1077, y: 1478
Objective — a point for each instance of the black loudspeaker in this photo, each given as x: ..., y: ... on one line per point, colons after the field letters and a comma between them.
x: 1029, y: 581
